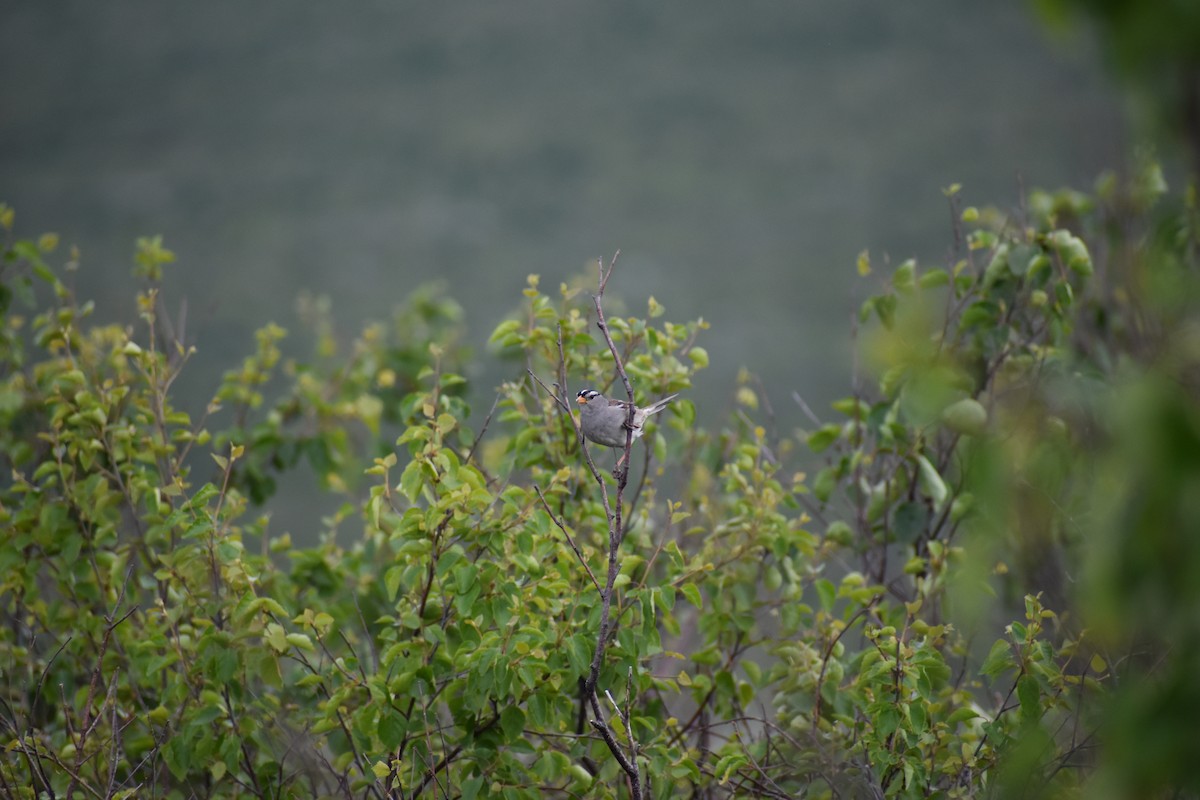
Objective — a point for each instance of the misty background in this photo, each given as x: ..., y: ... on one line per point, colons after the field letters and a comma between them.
x: 739, y: 155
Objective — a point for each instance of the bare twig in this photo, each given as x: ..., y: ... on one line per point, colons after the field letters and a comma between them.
x: 808, y: 412
x: 602, y: 726
x: 550, y: 391
x: 627, y: 718
x: 816, y: 717
x: 754, y: 763
x: 570, y: 541
x: 479, y: 436
x: 637, y: 493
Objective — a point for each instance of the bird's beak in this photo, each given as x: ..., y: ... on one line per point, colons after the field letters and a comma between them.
x: 581, y: 400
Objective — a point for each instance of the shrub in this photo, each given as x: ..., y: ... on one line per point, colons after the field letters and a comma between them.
x: 987, y: 580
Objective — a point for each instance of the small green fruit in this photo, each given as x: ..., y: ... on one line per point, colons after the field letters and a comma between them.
x: 966, y: 416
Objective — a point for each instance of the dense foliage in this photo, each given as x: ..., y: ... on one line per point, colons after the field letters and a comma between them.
x: 976, y: 576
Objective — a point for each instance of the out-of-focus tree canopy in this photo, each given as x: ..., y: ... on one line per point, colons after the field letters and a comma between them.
x: 1156, y: 45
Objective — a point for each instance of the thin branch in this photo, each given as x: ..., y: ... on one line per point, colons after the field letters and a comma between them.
x: 605, y: 731
x: 627, y: 718
x: 570, y: 541
x: 616, y: 530
x: 829, y: 651
x: 479, y: 436
x: 616, y: 534
x: 549, y: 391
x: 754, y: 763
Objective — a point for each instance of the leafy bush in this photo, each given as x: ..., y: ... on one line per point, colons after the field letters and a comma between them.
x: 986, y: 587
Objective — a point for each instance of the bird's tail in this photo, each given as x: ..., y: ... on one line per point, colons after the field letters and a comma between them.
x: 660, y: 405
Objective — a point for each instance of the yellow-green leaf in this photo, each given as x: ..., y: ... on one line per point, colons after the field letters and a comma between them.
x: 300, y: 641
x: 864, y: 263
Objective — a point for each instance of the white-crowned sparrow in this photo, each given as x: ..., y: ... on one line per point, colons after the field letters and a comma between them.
x: 603, y: 420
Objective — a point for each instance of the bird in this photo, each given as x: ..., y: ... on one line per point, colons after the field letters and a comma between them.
x: 605, y: 421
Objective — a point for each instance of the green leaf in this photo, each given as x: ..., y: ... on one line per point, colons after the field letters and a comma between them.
x: 727, y: 764
x: 864, y: 311
x: 998, y: 268
x: 773, y: 578
x: 934, y: 278
x: 1072, y: 251
x: 512, y: 722
x: 465, y: 576
x: 391, y: 729
x: 887, y: 718
x: 981, y: 313
x: 581, y: 779
x: 839, y: 532
x: 505, y: 333
x: 178, y: 755
x: 909, y: 521
x: 824, y: 483
x: 1039, y: 269
x: 692, y: 593
x: 277, y: 638
x: 301, y: 642
x: 1000, y: 659
x: 931, y: 481
x: 1064, y: 294
x: 1029, y: 695
x: 391, y: 580
x: 903, y: 279
x: 863, y: 263
x: 471, y: 787
x: 820, y: 440
x: 851, y: 407
x: 827, y: 592
x: 885, y: 308
x: 411, y: 481
x: 918, y: 717
x: 579, y: 654
x: 961, y: 715
x: 745, y: 694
